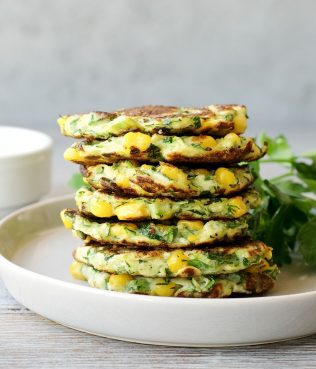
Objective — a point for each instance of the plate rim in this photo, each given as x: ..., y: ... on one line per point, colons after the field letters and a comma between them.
x: 8, y: 264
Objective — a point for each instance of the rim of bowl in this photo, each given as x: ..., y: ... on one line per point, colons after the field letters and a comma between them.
x: 44, y: 139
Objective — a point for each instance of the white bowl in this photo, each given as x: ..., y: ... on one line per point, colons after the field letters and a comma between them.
x: 25, y: 166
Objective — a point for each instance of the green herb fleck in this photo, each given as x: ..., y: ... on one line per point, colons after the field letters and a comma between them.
x: 196, y: 122
x: 154, y: 152
x: 140, y: 285
x: 231, y: 210
x: 167, y: 139
x: 197, y: 146
x: 229, y: 117
x: 198, y: 264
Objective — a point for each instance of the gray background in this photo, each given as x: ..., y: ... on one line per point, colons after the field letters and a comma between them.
x: 69, y: 56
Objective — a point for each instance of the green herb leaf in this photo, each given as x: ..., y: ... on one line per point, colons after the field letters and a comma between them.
x: 306, y: 240
x: 198, y: 264
x: 278, y: 148
x: 275, y: 236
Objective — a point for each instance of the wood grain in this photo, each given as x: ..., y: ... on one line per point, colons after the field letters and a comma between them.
x: 28, y: 340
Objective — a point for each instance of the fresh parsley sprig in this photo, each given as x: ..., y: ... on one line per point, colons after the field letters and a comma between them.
x: 287, y: 218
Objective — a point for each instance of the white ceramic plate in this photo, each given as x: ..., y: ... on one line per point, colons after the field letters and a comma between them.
x: 36, y: 253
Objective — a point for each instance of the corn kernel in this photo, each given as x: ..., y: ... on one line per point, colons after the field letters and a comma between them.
x: 207, y: 142
x: 131, y: 226
x: 101, y: 209
x: 240, y: 122
x: 138, y: 140
x: 117, y: 230
x: 122, y: 181
x: 173, y: 172
x: 192, y: 238
x: 132, y: 211
x: 66, y: 220
x: 118, y: 282
x: 177, y: 260
x: 145, y: 167
x: 232, y: 139
x: 71, y: 154
x: 195, y: 225
x: 61, y: 122
x: 225, y: 177
x: 203, y: 172
x: 75, y: 271
x: 239, y: 207
x: 164, y: 289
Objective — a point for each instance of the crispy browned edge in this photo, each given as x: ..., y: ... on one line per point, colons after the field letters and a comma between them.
x: 241, y: 235
x: 257, y: 246
x: 159, y: 112
x: 162, y: 111
x: 101, y: 114
x: 188, y: 271
x: 233, y: 155
x: 255, y: 284
x: 150, y: 186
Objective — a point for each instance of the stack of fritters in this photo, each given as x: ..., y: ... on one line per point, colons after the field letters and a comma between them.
x: 168, y: 206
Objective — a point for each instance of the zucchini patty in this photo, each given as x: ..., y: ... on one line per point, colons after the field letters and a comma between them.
x: 103, y: 205
x: 214, y: 120
x: 165, y: 263
x: 212, y: 286
x: 133, y: 179
x: 184, y: 233
x: 173, y: 149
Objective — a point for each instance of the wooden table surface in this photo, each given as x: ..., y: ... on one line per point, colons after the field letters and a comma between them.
x: 28, y: 340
